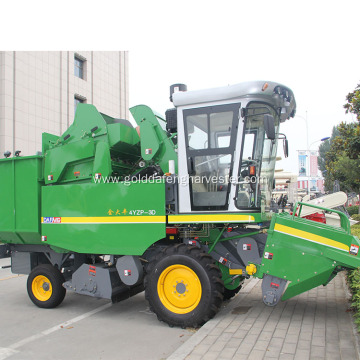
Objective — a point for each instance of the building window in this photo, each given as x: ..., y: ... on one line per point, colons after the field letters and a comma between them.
x: 78, y: 99
x: 79, y: 66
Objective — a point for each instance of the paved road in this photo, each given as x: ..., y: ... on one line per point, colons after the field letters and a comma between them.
x: 80, y: 328
x: 313, y: 325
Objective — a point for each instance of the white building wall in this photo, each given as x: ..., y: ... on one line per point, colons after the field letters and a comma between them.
x: 37, y: 91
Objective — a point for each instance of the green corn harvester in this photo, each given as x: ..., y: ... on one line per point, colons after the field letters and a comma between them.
x: 180, y: 207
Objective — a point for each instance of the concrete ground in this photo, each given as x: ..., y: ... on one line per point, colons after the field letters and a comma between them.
x: 313, y: 325
x: 82, y: 327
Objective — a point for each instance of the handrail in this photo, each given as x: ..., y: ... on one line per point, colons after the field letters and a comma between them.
x: 344, y: 221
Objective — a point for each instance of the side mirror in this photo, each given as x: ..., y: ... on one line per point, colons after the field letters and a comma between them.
x: 269, y: 125
x: 286, y: 148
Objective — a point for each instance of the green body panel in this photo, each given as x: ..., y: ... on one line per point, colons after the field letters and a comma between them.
x: 306, y: 253
x: 20, y: 189
x: 77, y: 157
x: 94, y: 143
x: 104, y: 218
x: 156, y: 146
x: 123, y: 139
x: 48, y: 141
x: 102, y: 160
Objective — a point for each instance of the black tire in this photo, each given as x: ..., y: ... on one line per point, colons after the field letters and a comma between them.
x: 44, y: 286
x: 183, y: 286
x: 228, y: 294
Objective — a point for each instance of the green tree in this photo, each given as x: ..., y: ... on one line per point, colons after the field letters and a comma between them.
x: 346, y: 171
x: 340, y: 167
x: 324, y: 148
x: 349, y: 134
x: 342, y: 158
x: 353, y: 102
x: 348, y: 140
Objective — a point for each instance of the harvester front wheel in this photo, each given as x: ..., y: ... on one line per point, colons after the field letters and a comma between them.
x: 230, y: 293
x: 44, y: 286
x: 183, y: 286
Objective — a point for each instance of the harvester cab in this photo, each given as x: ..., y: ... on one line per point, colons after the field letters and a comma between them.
x: 227, y: 144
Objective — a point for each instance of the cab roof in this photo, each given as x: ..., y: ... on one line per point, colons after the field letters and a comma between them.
x: 279, y: 96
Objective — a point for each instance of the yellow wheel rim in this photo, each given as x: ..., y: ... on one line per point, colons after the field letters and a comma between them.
x: 179, y: 289
x: 41, y: 288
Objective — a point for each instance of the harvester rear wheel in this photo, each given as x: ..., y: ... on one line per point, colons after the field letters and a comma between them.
x: 44, y: 286
x: 183, y: 286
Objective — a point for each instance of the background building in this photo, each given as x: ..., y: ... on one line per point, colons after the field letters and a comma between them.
x: 310, y: 180
x: 39, y: 92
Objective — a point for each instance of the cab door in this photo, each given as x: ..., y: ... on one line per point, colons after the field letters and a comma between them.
x: 210, y: 137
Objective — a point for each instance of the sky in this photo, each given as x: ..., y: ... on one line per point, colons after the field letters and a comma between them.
x: 309, y: 46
